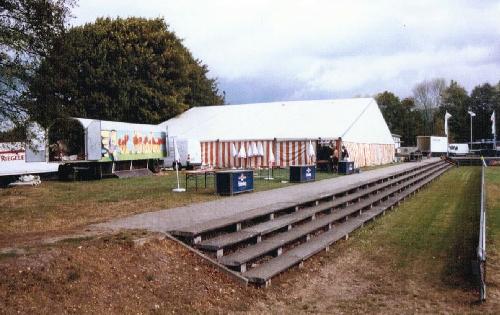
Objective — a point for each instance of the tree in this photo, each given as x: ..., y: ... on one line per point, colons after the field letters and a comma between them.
x: 28, y: 29
x: 133, y: 70
x: 427, y: 96
x: 456, y: 101
x: 484, y: 100
x: 401, y: 116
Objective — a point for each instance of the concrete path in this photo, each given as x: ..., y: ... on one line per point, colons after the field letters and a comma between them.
x: 176, y: 218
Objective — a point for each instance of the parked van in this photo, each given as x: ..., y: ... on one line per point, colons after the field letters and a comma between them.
x: 457, y: 149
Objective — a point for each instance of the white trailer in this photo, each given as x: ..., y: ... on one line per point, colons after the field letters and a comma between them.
x: 13, y: 162
x: 432, y: 145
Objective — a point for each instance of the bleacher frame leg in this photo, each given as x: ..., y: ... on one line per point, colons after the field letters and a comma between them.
x: 220, y: 253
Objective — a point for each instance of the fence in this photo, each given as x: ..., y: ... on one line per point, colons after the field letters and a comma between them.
x: 481, y: 248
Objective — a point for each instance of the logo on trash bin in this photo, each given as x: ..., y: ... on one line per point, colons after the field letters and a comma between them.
x: 242, y: 180
x: 308, y: 172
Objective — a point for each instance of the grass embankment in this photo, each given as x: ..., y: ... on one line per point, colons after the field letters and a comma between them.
x: 493, y: 236
x: 59, y: 206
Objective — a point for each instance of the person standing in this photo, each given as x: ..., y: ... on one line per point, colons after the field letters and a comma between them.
x: 345, y: 154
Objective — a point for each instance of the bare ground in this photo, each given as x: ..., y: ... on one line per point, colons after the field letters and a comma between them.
x: 112, y: 275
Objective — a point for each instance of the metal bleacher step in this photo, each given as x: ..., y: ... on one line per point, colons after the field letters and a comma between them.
x: 257, y: 231
x: 264, y: 272
x: 195, y: 231
x: 242, y: 256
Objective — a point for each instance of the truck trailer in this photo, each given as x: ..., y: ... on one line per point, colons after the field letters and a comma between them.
x: 13, y: 163
x: 95, y: 148
x: 432, y: 145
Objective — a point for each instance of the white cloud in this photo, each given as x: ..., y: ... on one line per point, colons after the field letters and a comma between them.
x: 320, y: 48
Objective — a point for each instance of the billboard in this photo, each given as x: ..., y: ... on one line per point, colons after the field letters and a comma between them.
x: 118, y: 145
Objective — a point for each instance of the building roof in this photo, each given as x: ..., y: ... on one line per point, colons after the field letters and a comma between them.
x: 355, y: 120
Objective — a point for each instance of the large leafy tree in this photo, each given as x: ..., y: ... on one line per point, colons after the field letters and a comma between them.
x: 401, y: 116
x: 485, y: 99
x: 428, y: 98
x: 28, y: 29
x: 456, y: 101
x: 133, y: 70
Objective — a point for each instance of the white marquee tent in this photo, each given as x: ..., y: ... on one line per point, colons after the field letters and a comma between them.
x: 286, y: 128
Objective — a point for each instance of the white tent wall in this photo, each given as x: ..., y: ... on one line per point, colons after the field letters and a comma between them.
x: 368, y: 139
x: 358, y: 121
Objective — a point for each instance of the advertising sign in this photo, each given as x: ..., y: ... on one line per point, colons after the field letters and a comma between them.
x: 242, y: 181
x: 120, y: 145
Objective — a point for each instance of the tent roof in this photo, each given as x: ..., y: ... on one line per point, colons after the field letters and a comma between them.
x: 357, y: 120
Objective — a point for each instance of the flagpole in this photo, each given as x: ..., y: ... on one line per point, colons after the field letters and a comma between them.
x: 493, y: 129
x: 470, y: 132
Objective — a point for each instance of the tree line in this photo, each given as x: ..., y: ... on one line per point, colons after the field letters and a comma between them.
x: 125, y: 69
x: 138, y: 70
x: 422, y: 114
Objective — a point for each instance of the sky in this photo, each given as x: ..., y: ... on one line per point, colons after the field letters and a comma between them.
x: 263, y: 51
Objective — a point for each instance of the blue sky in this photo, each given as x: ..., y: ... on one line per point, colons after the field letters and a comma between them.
x: 315, y: 49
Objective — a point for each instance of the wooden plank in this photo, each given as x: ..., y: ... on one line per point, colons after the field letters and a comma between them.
x: 219, y: 223
x: 263, y: 273
x: 230, y: 239
x: 196, y: 230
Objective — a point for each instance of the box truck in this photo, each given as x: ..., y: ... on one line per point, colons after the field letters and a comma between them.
x: 433, y: 145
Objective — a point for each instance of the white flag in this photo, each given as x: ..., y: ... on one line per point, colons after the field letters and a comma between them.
x: 493, y: 125
x: 471, y: 113
x: 446, y: 117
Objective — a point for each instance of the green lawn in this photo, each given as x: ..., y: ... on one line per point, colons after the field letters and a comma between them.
x: 434, y: 232
x: 493, y: 236
x: 493, y: 206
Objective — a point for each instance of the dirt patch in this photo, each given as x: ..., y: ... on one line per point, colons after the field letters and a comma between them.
x: 111, y: 275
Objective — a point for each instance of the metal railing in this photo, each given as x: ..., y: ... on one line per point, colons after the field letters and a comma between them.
x: 481, y: 248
